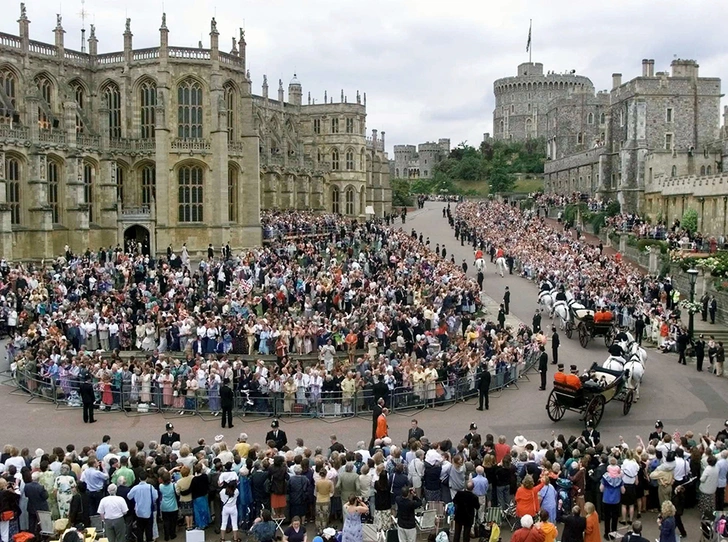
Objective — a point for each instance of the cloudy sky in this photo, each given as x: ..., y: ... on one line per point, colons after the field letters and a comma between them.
x: 427, y: 67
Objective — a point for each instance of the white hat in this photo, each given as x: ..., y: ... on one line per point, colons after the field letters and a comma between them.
x: 218, y: 438
x: 329, y: 532
x: 520, y: 441
x: 527, y: 521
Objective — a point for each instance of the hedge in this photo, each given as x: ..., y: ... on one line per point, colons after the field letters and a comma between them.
x: 642, y: 245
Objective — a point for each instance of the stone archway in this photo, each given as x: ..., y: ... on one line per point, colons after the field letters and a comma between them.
x: 138, y: 237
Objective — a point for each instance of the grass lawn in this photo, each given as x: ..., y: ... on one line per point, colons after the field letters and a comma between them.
x: 480, y: 188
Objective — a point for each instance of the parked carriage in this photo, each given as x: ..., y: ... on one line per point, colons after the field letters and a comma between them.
x: 590, y: 399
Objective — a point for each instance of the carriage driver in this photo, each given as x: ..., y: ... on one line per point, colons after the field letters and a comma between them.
x: 561, y: 295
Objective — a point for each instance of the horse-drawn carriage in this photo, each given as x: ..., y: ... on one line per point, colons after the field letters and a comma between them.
x: 582, y: 321
x: 589, y: 399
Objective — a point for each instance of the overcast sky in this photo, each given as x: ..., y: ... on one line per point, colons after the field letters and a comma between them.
x: 427, y: 67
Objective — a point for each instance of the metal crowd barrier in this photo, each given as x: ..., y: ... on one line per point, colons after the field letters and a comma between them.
x: 63, y: 392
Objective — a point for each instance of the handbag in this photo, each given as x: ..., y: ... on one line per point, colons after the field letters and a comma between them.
x: 7, y: 515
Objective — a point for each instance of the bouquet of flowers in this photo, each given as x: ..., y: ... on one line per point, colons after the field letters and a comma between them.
x: 691, y: 307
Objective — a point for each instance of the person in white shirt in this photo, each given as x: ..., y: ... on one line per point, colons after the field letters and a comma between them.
x: 112, y: 510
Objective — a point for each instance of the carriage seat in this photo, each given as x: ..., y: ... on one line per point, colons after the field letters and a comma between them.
x: 569, y: 381
x: 583, y: 314
x: 603, y: 317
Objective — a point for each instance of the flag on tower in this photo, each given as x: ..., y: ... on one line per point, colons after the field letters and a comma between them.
x: 528, y: 43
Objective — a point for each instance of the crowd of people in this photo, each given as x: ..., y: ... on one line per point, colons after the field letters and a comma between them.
x: 646, y: 304
x: 300, y: 322
x: 156, y: 488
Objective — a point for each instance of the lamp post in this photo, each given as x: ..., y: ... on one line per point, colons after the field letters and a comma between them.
x: 693, y: 274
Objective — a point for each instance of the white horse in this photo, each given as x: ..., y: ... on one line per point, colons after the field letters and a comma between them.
x: 633, y: 349
x: 480, y: 265
x: 634, y: 371
x: 546, y: 299
x: 614, y: 363
x: 500, y: 266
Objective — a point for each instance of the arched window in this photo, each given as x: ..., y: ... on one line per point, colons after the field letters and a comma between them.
x: 149, y: 185
x: 147, y: 107
x: 350, y: 201
x: 79, y: 94
x: 119, y: 181
x: 674, y: 171
x: 9, y: 85
x: 396, y: 173
x: 349, y: 160
x: 88, y: 189
x: 190, y: 194
x: 362, y: 201
x: 709, y: 170
x: 529, y: 128
x: 590, y: 118
x: 579, y: 138
x: 335, y: 203
x: 702, y: 170
x: 54, y: 179
x: 232, y: 194
x: 189, y: 110
x: 112, y: 94
x: 45, y: 88
x: 230, y: 106
x: 335, y: 159
x: 602, y: 118
x: 12, y: 188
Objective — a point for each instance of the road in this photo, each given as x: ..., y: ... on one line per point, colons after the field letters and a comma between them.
x: 681, y: 397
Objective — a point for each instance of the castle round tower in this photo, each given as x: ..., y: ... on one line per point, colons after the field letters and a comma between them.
x: 521, y: 102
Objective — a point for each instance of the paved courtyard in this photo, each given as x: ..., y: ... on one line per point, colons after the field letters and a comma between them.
x: 678, y: 395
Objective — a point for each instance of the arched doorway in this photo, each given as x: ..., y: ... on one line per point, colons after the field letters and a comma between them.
x: 136, y: 239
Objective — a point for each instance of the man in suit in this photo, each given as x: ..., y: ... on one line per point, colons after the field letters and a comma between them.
x: 713, y: 308
x: 227, y: 401
x: 469, y: 436
x: 555, y: 343
x: 276, y: 435
x: 590, y: 435
x: 415, y: 431
x: 170, y: 437
x: 37, y: 501
x: 536, y: 321
x: 210, y: 252
x: 543, y: 364
x: 88, y: 398
x: 507, y: 300
x: 704, y: 301
x: 658, y: 433
x: 483, y: 387
x: 699, y: 347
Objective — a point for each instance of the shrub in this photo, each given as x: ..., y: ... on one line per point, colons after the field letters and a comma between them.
x: 690, y: 220
x: 642, y: 244
x: 613, y: 208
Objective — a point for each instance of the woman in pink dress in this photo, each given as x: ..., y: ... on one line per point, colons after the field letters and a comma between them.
x: 106, y: 396
x: 180, y: 390
x: 166, y: 381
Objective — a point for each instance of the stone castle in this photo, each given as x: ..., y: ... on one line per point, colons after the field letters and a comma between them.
x: 166, y: 145
x: 653, y: 143
x: 418, y: 162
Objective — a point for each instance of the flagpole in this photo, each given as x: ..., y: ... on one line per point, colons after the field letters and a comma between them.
x: 530, y: 24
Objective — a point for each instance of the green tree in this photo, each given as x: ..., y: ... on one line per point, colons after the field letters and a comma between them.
x: 401, y: 193
x: 690, y: 220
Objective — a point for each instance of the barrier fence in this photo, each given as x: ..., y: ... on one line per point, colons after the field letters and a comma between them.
x: 64, y: 393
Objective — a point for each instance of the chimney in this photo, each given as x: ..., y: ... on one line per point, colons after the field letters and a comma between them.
x: 214, y: 40
x: 93, y: 43
x: 127, y: 41
x: 383, y: 140
x: 58, y: 31
x: 645, y: 67
x: 163, y: 37
x: 651, y: 66
x: 616, y: 80
x: 24, y: 26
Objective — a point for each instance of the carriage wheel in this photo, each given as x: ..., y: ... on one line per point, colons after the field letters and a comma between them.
x: 628, y: 400
x: 554, y: 409
x: 609, y: 337
x: 583, y: 335
x: 595, y: 410
x: 569, y: 328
